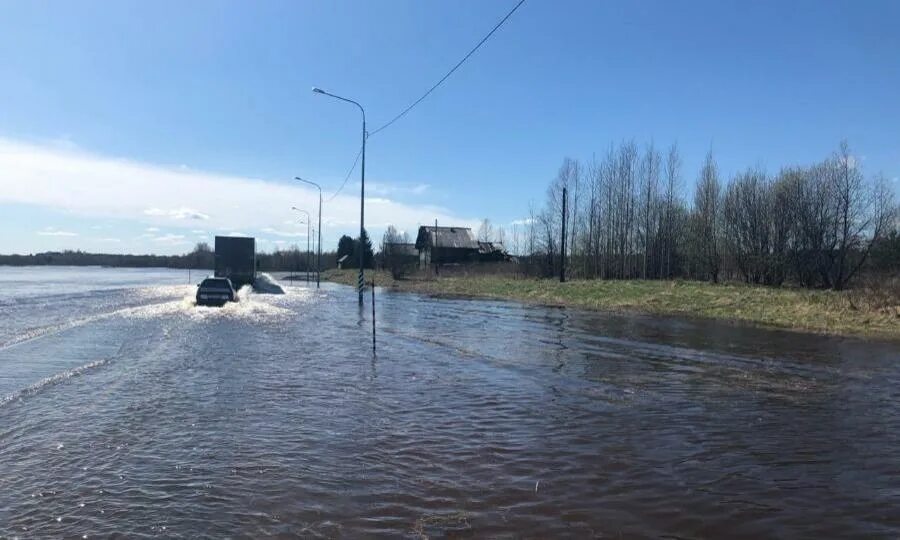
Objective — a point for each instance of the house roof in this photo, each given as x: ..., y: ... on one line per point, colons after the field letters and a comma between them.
x: 446, y: 237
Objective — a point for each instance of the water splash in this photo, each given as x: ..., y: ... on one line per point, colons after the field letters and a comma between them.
x: 267, y: 284
x: 249, y: 306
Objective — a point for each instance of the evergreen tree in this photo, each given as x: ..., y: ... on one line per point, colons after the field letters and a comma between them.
x: 346, y: 247
x: 368, y: 254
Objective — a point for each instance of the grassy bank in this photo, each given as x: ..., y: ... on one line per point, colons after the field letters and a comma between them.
x: 830, y: 312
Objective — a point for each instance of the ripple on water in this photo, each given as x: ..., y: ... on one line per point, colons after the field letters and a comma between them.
x: 478, y: 419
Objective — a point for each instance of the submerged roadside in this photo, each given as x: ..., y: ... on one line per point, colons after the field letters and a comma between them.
x: 845, y: 313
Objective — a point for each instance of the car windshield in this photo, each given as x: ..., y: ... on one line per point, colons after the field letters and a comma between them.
x: 215, y: 283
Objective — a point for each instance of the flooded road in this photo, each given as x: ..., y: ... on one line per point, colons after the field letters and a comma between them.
x: 125, y: 410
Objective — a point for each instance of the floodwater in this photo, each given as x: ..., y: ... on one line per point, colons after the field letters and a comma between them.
x: 126, y: 410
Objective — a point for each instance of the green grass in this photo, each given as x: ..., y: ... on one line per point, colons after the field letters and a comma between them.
x: 828, y: 312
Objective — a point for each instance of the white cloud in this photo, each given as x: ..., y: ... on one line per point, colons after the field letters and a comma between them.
x: 98, y: 187
x: 188, y: 213
x: 277, y: 232
x: 198, y: 231
x: 172, y: 239
x: 177, y: 213
x: 152, y: 229
x: 51, y: 231
x: 383, y: 188
x: 525, y: 221
x: 342, y: 223
x: 113, y: 240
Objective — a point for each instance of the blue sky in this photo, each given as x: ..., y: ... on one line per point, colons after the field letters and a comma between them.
x: 146, y: 126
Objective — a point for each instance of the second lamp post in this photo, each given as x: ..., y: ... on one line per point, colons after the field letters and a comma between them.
x: 319, y: 250
x: 362, y: 191
x: 308, y: 222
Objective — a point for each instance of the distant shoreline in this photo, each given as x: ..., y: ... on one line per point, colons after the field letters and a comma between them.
x: 844, y: 313
x: 106, y: 267
x: 108, y: 260
x: 96, y: 266
x: 199, y: 259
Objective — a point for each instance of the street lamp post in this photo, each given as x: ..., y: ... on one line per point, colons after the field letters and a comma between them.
x: 319, y: 250
x: 313, y: 237
x: 362, y: 191
x: 308, y: 221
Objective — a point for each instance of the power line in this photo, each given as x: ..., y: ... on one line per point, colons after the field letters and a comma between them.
x: 445, y: 77
x: 344, y: 183
x: 426, y: 94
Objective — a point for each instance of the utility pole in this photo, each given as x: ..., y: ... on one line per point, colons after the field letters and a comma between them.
x: 373, y: 312
x: 562, y: 252
x: 362, y: 217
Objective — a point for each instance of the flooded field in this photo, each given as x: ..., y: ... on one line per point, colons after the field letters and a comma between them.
x: 126, y: 410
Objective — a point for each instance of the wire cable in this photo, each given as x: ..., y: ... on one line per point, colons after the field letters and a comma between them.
x: 445, y: 77
x: 425, y: 95
x: 344, y: 183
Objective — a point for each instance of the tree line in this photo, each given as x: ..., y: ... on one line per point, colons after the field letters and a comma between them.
x: 201, y: 257
x: 628, y: 217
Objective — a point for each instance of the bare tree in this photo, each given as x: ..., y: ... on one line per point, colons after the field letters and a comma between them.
x: 592, y: 244
x: 628, y: 218
x: 515, y: 245
x: 807, y: 194
x: 611, y: 212
x: 649, y: 173
x: 747, y: 214
x: 393, y: 236
x: 673, y: 185
x: 619, y: 177
x: 574, y: 188
x: 861, y: 216
x: 532, y: 223
x: 485, y: 231
x: 706, y: 221
x: 389, y: 258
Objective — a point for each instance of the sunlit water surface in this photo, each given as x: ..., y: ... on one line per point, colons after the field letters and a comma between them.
x: 126, y: 410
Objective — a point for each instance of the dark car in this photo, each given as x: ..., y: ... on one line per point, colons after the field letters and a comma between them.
x: 215, y: 292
